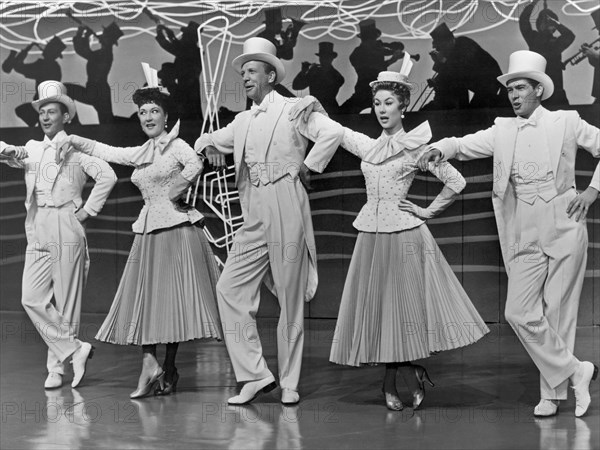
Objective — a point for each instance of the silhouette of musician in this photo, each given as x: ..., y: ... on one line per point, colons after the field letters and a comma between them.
x: 462, y: 66
x: 322, y: 79
x: 284, y: 40
x: 43, y: 69
x: 544, y: 42
x: 593, y: 56
x: 99, y: 62
x: 188, y: 66
x: 368, y: 59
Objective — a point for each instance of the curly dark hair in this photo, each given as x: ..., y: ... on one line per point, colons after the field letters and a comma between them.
x: 401, y: 91
x: 151, y: 95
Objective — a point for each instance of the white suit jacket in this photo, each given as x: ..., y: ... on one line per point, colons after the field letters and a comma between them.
x: 565, y: 132
x: 68, y: 185
x: 285, y: 142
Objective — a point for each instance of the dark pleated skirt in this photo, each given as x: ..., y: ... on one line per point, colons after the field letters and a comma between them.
x: 401, y: 302
x: 167, y: 292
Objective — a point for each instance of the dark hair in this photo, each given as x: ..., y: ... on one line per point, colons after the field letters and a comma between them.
x: 144, y: 96
x: 401, y: 91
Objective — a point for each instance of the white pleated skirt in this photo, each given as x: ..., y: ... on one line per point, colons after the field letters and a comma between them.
x: 401, y: 302
x: 167, y: 292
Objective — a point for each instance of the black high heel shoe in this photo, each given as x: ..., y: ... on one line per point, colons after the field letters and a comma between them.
x: 422, y: 376
x: 392, y: 401
x: 156, y: 378
x: 169, y: 386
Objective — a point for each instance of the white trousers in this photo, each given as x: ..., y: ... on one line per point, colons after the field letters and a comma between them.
x: 271, y: 242
x: 546, y: 271
x: 56, y: 266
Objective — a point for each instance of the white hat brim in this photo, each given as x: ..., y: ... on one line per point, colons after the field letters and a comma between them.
x: 64, y: 99
x: 540, y: 77
x: 238, y: 62
x: 403, y: 83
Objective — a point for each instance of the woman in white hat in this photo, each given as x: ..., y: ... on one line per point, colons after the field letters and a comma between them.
x: 401, y: 301
x: 167, y: 291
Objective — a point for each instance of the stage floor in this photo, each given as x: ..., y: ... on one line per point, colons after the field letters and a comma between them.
x: 483, y: 399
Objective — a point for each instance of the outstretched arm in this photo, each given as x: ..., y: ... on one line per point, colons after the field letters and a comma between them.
x: 214, y: 146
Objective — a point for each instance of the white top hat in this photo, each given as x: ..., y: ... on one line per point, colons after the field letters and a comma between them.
x: 396, y: 77
x: 528, y: 64
x: 54, y: 91
x: 260, y: 49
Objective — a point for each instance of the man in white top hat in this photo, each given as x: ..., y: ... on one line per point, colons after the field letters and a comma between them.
x: 541, y: 222
x: 275, y: 243
x: 56, y: 259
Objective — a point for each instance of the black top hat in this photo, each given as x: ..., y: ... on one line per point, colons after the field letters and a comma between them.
x: 326, y: 49
x: 441, y: 33
x: 596, y: 19
x: 272, y: 17
x: 191, y: 27
x: 55, y: 46
x: 368, y: 29
x: 112, y: 33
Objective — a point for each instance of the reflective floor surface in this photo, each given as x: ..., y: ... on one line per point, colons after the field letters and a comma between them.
x: 483, y: 399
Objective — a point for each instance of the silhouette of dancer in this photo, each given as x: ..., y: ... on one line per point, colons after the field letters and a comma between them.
x: 99, y: 62
x: 43, y: 69
x: 546, y: 44
x: 322, y: 79
x: 462, y: 65
x: 284, y: 40
x: 368, y: 59
x: 188, y: 66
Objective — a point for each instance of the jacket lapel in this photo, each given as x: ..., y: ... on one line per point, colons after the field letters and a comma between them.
x: 273, y: 113
x: 555, y: 134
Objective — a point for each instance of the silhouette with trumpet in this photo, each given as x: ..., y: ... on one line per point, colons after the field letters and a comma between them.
x: 96, y: 91
x: 187, y: 65
x: 283, y: 39
x: 462, y: 65
x: 544, y: 42
x: 592, y: 53
x: 323, y: 80
x: 368, y: 59
x: 43, y: 69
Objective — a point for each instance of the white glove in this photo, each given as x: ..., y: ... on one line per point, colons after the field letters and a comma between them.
x: 74, y: 143
x: 439, y: 204
x: 305, y: 107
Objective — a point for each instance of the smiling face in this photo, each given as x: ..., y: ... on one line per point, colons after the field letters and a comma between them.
x: 523, y: 96
x: 152, y: 119
x: 257, y: 80
x: 388, y: 109
x: 52, y: 118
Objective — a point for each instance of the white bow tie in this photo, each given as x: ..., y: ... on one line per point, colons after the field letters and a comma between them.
x: 522, y: 122
x: 256, y: 109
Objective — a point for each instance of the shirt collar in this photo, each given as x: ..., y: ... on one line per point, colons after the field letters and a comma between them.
x: 533, y: 119
x: 59, y: 137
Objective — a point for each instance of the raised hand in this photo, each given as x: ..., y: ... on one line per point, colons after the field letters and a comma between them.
x: 432, y: 155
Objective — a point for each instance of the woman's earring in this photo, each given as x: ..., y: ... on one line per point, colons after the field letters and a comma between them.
x: 402, y: 114
x: 166, y: 124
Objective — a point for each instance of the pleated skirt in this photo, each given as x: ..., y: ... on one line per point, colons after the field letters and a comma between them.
x: 401, y: 302
x: 167, y: 292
